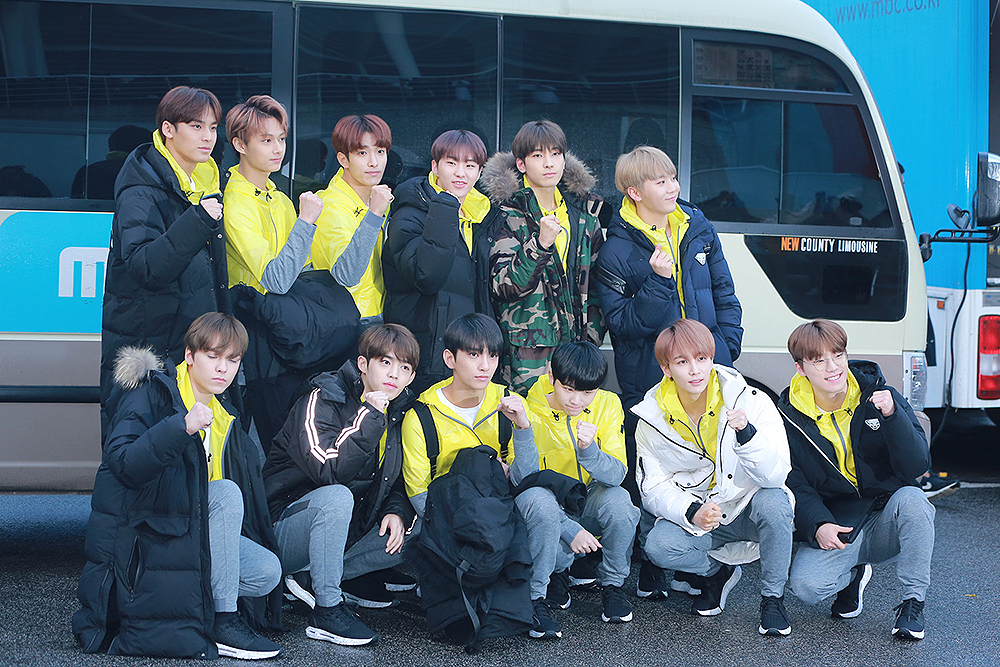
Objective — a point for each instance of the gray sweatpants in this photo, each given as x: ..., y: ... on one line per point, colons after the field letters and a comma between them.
x: 312, y: 534
x: 240, y: 566
x: 608, y: 513
x: 903, y: 531
x: 767, y: 520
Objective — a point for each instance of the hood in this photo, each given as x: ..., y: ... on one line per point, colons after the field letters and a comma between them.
x: 730, y: 381
x: 416, y: 192
x: 618, y: 226
x: 867, y: 373
x: 133, y: 366
x: 146, y: 167
x: 501, y: 179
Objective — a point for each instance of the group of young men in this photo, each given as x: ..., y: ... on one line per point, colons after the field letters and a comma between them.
x: 455, y: 289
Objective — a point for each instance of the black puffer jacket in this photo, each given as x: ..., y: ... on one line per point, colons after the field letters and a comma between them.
x: 889, y: 453
x: 332, y: 437
x: 147, y: 579
x: 166, y: 267
x: 638, y: 304
x: 430, y: 276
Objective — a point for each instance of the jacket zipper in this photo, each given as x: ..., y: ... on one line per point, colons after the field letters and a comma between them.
x: 821, y: 452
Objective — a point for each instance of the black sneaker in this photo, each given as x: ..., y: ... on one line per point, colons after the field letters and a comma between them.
x: 909, y: 620
x: 543, y: 625
x: 583, y: 572
x: 395, y: 581
x: 236, y: 639
x: 616, y: 608
x: 938, y: 484
x: 773, y: 617
x: 367, y: 591
x: 685, y: 582
x: 557, y: 594
x: 652, y: 582
x: 338, y: 625
x: 851, y: 600
x: 715, y: 590
x: 298, y: 586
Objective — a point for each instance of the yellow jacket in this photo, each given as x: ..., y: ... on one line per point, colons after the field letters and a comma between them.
x: 453, y: 435
x: 342, y: 214
x: 257, y: 226
x: 679, y: 223
x: 555, y: 436
x: 834, y: 426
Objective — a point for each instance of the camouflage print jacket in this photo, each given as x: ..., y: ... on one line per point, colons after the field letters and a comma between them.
x: 539, y: 303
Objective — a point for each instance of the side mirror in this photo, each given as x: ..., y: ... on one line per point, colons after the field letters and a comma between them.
x: 987, y: 201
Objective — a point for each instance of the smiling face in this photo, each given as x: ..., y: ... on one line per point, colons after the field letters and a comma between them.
x: 211, y: 371
x: 826, y: 373
x: 191, y: 142
x: 364, y: 167
x: 569, y: 400
x: 657, y: 196
x: 472, y: 371
x: 386, y: 374
x: 543, y: 167
x: 456, y: 175
x: 690, y: 373
x: 264, y: 151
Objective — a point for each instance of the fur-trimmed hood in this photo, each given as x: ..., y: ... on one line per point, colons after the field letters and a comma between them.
x: 133, y: 366
x: 501, y: 179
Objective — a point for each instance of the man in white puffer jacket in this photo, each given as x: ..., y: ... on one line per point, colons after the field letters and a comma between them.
x: 712, y: 457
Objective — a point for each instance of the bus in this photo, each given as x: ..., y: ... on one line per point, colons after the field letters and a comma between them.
x: 774, y: 129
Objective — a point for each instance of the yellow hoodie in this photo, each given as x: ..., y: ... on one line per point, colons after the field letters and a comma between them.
x: 678, y: 226
x: 473, y: 210
x: 221, y: 423
x: 834, y: 426
x: 342, y: 213
x: 258, y: 223
x: 561, y: 211
x: 555, y: 431
x: 202, y: 182
x: 705, y: 434
x: 453, y: 435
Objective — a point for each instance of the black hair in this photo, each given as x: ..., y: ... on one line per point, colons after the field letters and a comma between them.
x: 579, y: 365
x: 474, y: 332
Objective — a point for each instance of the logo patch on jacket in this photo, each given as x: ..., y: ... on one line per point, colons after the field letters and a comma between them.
x: 701, y: 257
x: 873, y: 424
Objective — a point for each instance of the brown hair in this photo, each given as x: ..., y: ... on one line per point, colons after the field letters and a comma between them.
x: 246, y: 119
x: 385, y: 339
x: 812, y: 339
x: 684, y: 338
x: 350, y: 130
x: 538, y: 134
x: 459, y: 144
x: 216, y: 332
x: 184, y: 104
x: 641, y: 164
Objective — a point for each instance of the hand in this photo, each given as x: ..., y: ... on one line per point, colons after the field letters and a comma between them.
x: 380, y: 199
x: 708, y: 516
x: 585, y: 432
x: 661, y: 262
x: 198, y: 418
x: 737, y: 419
x: 213, y: 207
x: 310, y: 206
x: 393, y: 524
x: 378, y: 400
x: 883, y: 401
x: 513, y: 408
x: 827, y: 536
x: 548, y: 230
x: 584, y: 543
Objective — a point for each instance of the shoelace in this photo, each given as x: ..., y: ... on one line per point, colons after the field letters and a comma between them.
x: 908, y: 610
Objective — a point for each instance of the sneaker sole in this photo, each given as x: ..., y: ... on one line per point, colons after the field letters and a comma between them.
x: 587, y: 581
x: 650, y: 594
x: 565, y: 605
x: 734, y: 579
x: 535, y: 634
x: 911, y: 635
x: 684, y: 587
x: 243, y: 654
x: 366, y: 604
x: 616, y: 619
x: 866, y: 576
x: 299, y: 593
x: 399, y: 588
x: 943, y: 492
x: 324, y: 636
x: 774, y: 632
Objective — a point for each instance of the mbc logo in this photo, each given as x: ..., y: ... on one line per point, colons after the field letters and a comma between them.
x: 89, y: 258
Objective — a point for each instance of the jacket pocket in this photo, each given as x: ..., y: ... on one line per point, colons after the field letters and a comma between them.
x: 134, y: 568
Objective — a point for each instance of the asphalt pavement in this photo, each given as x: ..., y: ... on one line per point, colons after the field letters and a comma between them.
x: 41, y: 547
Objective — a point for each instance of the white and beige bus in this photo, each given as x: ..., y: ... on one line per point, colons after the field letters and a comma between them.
x: 775, y: 131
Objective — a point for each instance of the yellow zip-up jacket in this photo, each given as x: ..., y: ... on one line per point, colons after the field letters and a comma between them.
x: 337, y: 227
x: 679, y: 223
x: 834, y: 426
x: 555, y: 436
x: 258, y: 223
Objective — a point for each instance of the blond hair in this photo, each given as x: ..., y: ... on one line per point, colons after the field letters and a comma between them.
x: 641, y: 164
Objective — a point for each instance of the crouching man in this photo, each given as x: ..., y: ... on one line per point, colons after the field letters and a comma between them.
x: 712, y: 458
x: 179, y: 526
